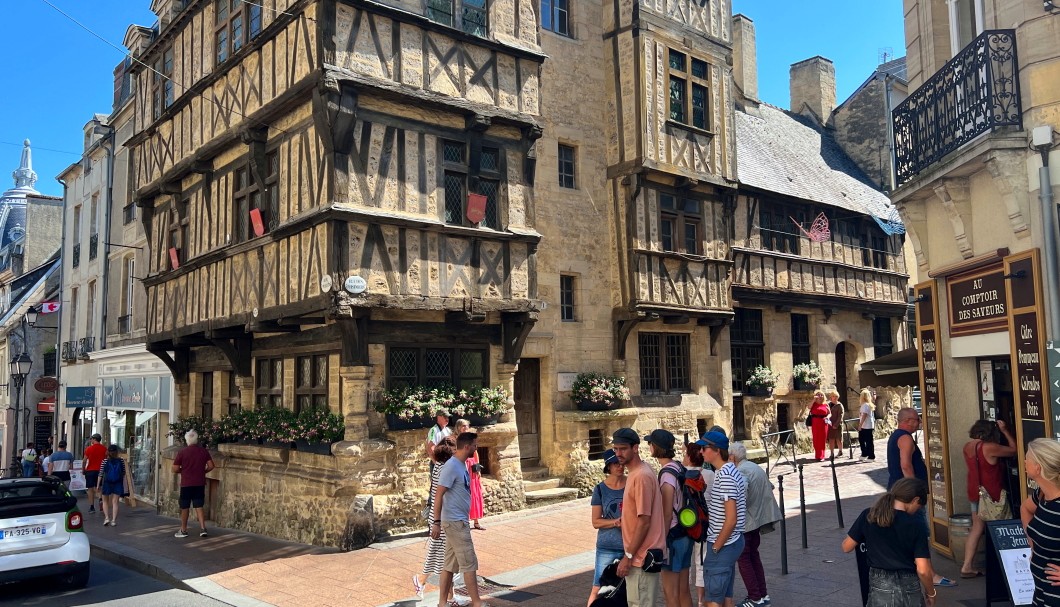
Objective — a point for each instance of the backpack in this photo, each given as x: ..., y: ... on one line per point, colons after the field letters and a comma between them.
x: 113, y: 474
x: 692, y: 513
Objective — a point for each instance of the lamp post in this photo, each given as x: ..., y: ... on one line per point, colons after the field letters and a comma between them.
x: 20, y: 366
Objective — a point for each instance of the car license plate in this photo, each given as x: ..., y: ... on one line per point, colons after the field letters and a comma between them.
x: 31, y: 530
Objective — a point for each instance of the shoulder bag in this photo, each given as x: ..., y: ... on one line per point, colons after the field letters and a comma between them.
x: 990, y: 510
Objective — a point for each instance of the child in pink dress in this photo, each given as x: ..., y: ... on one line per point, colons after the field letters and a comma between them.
x: 474, y: 470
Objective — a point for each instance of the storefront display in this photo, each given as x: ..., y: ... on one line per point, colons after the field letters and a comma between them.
x: 132, y: 420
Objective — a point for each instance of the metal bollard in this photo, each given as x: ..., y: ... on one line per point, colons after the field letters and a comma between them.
x: 835, y: 487
x: 783, y: 529
x: 802, y: 508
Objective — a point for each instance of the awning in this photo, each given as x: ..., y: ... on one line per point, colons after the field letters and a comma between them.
x: 46, y: 405
x: 900, y: 368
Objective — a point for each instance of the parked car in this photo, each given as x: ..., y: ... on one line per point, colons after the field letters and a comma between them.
x: 41, y: 532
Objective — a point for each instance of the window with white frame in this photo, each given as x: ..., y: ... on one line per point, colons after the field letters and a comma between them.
x: 555, y: 16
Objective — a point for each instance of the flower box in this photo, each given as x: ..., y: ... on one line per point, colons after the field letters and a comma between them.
x: 275, y: 444
x: 759, y: 391
x: 398, y: 423
x: 307, y: 447
x: 590, y: 405
x: 483, y: 420
x: 802, y: 384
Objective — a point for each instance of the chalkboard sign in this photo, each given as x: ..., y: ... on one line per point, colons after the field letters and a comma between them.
x: 1008, y: 558
x: 42, y: 431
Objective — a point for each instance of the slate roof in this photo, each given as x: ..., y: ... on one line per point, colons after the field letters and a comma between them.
x: 789, y: 154
x: 894, y: 67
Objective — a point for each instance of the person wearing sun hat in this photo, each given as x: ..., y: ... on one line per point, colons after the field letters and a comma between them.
x: 607, y: 517
x: 727, y: 511
x: 642, y: 520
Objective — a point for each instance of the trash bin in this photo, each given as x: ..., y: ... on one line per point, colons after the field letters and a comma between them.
x: 960, y: 526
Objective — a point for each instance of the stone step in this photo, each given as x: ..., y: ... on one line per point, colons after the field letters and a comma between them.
x: 548, y: 483
x: 757, y: 456
x: 536, y: 473
x: 544, y: 497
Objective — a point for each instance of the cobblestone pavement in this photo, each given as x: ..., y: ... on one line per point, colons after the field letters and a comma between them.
x: 532, y: 558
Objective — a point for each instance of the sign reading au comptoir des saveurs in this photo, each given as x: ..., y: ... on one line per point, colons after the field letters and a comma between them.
x: 977, y: 301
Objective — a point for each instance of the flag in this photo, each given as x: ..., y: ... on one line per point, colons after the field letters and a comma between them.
x: 48, y: 307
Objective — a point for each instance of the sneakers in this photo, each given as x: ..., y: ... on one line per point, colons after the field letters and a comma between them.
x: 203, y: 533
x: 91, y: 509
x: 749, y: 602
x: 181, y: 533
x: 106, y: 522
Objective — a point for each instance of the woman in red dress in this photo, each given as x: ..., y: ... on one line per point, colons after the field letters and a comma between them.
x: 819, y: 414
x: 474, y: 470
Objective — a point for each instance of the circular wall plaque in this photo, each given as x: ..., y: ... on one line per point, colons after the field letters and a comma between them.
x: 355, y: 285
x: 46, y: 384
x: 325, y: 283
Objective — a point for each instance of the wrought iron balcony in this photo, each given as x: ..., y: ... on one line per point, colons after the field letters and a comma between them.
x: 85, y: 346
x: 76, y: 257
x: 69, y: 350
x: 974, y: 93
x: 93, y: 245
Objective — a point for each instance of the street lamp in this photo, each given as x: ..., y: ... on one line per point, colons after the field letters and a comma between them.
x: 31, y: 316
x: 20, y: 366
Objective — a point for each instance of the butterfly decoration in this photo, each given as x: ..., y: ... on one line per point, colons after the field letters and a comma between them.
x: 819, y: 230
x: 892, y: 223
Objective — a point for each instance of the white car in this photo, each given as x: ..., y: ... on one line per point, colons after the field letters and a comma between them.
x: 41, y: 532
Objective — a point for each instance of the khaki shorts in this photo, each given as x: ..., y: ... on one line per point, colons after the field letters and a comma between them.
x: 459, y: 550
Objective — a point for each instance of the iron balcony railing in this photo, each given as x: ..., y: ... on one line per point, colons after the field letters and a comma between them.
x: 974, y: 93
x: 85, y: 346
x: 69, y: 350
x: 93, y: 245
x: 76, y: 257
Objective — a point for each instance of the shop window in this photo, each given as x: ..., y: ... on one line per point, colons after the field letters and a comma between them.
x: 268, y: 383
x: 463, y: 368
x: 747, y: 345
x: 665, y: 363
x: 679, y: 224
x: 311, y: 387
x: 882, y: 339
x: 800, y: 338
x: 206, y: 398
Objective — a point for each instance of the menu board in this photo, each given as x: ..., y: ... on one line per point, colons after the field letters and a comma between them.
x: 1027, y: 334
x: 934, y: 413
x: 1008, y: 552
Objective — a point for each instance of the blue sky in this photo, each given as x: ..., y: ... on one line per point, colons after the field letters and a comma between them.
x: 54, y: 75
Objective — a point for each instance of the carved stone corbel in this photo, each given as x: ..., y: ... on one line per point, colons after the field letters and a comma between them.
x: 905, y: 211
x: 1003, y: 176
x: 953, y: 193
x: 530, y: 135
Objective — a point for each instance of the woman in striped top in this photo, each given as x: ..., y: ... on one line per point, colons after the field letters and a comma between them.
x: 1041, y: 518
x: 435, y: 559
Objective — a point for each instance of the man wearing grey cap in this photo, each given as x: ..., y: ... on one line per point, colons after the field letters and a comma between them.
x: 642, y: 521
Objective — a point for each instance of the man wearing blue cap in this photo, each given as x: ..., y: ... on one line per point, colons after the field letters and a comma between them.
x: 642, y: 521
x: 727, y: 510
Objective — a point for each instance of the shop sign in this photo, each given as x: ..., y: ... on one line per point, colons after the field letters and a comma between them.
x: 129, y: 392
x: 977, y: 302
x: 84, y: 397
x: 934, y: 412
x: 46, y: 384
x: 1029, y: 365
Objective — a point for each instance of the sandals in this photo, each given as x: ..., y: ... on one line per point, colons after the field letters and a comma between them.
x: 971, y: 574
x: 945, y: 582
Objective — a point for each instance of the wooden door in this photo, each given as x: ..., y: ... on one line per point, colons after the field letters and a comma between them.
x: 528, y: 409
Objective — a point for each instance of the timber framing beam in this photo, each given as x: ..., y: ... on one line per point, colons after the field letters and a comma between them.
x: 354, y: 331
x: 514, y: 330
x: 177, y: 363
x: 237, y: 352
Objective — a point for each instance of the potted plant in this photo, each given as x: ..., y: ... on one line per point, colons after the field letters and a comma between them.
x: 807, y: 376
x: 481, y: 406
x: 274, y: 427
x: 316, y: 430
x: 598, y: 392
x: 412, y: 407
x: 179, y: 428
x: 761, y: 381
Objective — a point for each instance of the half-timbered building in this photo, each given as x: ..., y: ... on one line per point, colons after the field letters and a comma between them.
x: 339, y: 198
x: 635, y: 193
x: 819, y: 258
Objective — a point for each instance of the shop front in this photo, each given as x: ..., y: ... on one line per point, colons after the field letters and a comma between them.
x: 981, y: 354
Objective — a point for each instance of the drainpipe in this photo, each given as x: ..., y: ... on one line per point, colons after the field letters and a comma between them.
x: 108, y: 134
x: 59, y: 405
x: 1042, y: 141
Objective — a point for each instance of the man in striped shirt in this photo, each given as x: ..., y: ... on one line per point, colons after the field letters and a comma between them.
x: 727, y: 510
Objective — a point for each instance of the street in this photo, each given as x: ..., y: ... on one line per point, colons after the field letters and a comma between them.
x: 109, y: 585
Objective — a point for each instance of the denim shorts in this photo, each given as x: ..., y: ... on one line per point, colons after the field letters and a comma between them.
x: 894, y: 589
x: 719, y: 571
x: 604, y: 557
x: 680, y: 551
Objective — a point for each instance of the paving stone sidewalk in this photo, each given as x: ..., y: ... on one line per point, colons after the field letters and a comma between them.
x: 532, y: 558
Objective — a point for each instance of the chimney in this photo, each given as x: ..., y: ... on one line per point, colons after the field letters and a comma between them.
x: 813, y: 88
x: 745, y: 61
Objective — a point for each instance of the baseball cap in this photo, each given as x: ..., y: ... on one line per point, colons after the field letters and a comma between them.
x: 714, y: 439
x: 442, y: 413
x: 610, y: 456
x: 661, y: 438
x: 97, y: 436
x: 625, y: 436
